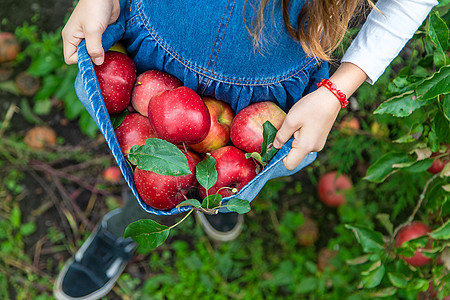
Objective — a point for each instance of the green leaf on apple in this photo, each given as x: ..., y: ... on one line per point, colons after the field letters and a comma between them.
x: 206, y: 172
x: 238, y: 205
x: 160, y: 157
x: 116, y: 120
x: 267, y: 150
x: 212, y: 201
x: 370, y: 240
x: 256, y: 156
x: 190, y: 202
x: 147, y: 233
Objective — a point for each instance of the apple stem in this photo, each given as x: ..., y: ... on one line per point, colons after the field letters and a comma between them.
x: 184, y: 196
x: 185, y: 149
x: 233, y: 190
x: 184, y: 218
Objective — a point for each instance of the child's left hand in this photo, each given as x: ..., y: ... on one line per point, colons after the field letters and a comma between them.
x: 309, y: 121
x: 311, y: 118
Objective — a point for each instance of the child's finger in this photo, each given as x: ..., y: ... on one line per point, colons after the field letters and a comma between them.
x: 94, y: 46
x: 70, y: 53
x: 285, y: 132
x: 300, y: 149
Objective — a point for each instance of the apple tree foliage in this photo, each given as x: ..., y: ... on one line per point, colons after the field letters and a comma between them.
x: 419, y: 102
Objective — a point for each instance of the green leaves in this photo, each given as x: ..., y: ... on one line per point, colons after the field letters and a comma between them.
x: 370, y: 240
x: 147, y: 233
x: 400, y: 106
x: 159, y: 156
x: 442, y: 233
x: 212, y: 201
x: 372, y: 277
x: 424, y: 93
x: 269, y: 133
x: 206, y: 172
x: 438, y: 33
x: 238, y: 205
x: 267, y: 150
x: 385, y: 166
x: 437, y: 84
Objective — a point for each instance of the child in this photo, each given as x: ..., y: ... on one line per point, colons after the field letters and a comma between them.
x: 241, y: 52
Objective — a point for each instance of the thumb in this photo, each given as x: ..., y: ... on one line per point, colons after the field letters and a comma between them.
x: 285, y: 132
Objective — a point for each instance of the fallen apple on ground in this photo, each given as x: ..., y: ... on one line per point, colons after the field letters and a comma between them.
x: 40, y: 137
x: 349, y: 125
x: 179, y: 116
x: 9, y: 47
x: 116, y: 77
x: 307, y: 234
x: 219, y: 133
x: 112, y: 174
x: 331, y: 187
x: 246, y: 131
x: 26, y: 84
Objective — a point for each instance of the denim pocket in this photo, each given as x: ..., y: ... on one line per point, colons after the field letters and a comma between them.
x: 89, y: 93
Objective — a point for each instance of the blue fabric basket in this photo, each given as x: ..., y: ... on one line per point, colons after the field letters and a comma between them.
x: 88, y: 91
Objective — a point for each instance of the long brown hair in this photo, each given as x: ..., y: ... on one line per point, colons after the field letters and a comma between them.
x: 321, y: 24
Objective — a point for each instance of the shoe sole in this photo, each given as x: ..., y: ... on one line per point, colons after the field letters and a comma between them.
x: 216, y: 235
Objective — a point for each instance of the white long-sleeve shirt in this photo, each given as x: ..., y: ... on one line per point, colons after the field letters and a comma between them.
x: 383, y: 36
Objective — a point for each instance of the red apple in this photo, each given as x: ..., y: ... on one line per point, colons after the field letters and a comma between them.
x: 27, y: 84
x: 179, y: 116
x: 9, y: 47
x: 412, y: 231
x: 112, y: 174
x: 149, y: 84
x: 134, y: 130
x: 234, y: 170
x: 164, y: 191
x: 439, y: 163
x: 331, y: 186
x: 219, y: 133
x: 247, y: 128
x: 349, y: 125
x: 307, y: 234
x: 324, y: 257
x: 116, y: 77
x: 197, y: 157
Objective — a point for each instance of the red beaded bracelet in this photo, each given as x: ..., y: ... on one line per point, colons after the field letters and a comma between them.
x: 332, y: 87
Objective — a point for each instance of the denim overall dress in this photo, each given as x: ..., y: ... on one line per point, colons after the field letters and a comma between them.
x: 206, y: 45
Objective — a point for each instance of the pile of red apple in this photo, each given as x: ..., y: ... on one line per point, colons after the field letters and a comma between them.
x: 157, y: 105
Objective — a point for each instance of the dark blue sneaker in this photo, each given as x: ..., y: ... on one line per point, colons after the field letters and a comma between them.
x: 97, y: 265
x: 221, y: 227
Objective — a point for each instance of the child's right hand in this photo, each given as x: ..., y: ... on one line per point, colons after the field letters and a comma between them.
x: 88, y: 21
